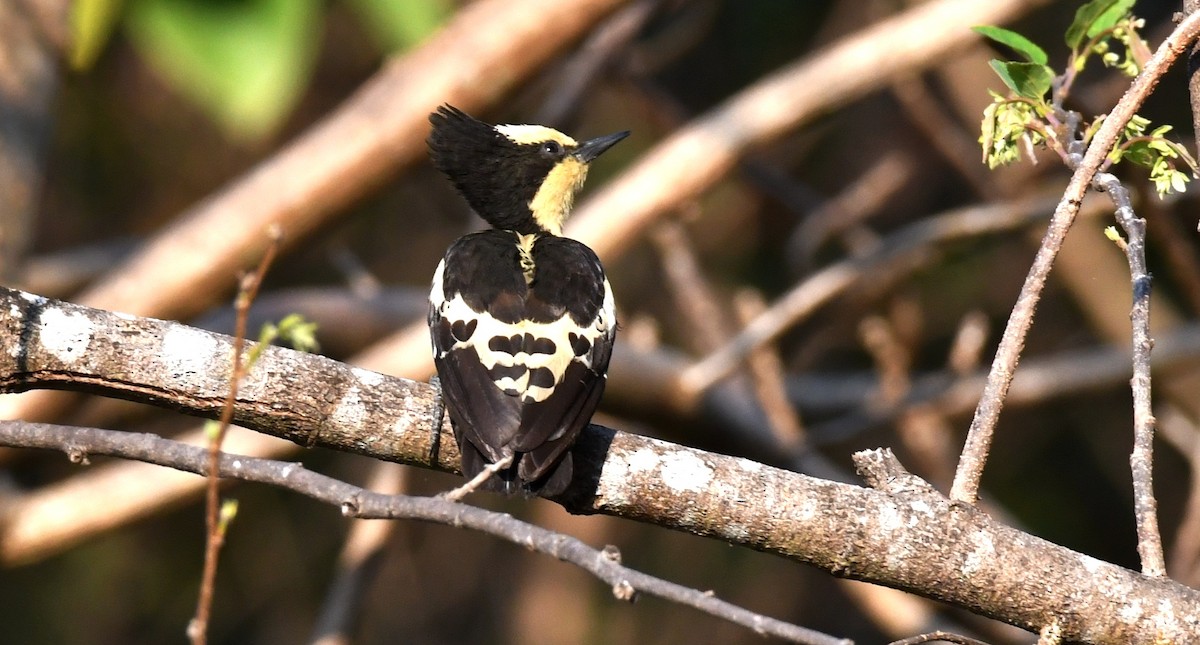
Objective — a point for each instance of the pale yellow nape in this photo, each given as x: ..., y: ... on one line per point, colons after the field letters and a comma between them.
x: 553, y: 200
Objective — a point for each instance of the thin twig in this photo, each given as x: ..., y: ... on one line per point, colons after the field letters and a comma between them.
x: 248, y: 289
x: 770, y: 387
x: 1142, y: 459
x: 979, y: 437
x: 489, y: 471
x: 357, y: 502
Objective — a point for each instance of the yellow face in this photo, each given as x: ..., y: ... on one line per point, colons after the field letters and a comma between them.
x: 553, y: 200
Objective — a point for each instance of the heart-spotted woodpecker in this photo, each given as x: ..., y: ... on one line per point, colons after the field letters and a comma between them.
x: 522, y: 319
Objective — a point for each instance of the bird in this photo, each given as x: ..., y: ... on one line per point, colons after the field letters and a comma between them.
x: 522, y: 320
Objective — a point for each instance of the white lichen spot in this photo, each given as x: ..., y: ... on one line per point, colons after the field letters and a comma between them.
x: 684, y: 471
x: 642, y: 460
x: 983, y: 551
x: 405, y: 421
x: 889, y: 518
x: 367, y: 377
x: 1131, y: 612
x: 1165, y: 614
x: 735, y: 532
x: 64, y: 334
x: 613, y: 478
x: 920, y: 507
x: 350, y: 412
x: 186, y: 352
x: 807, y: 510
x: 1092, y: 565
x: 32, y: 298
x: 749, y: 466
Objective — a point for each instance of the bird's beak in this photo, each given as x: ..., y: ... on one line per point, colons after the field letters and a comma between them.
x: 592, y: 148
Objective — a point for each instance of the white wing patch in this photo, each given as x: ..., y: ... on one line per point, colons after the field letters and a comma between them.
x: 554, y: 344
x: 491, y: 342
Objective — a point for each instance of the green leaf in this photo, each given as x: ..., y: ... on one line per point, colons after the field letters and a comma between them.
x: 91, y: 25
x: 1140, y: 153
x: 1029, y: 80
x: 244, y: 63
x: 1015, y: 41
x: 1094, y: 17
x: 397, y: 25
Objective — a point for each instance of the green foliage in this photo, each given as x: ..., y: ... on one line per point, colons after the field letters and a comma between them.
x: 1005, y: 123
x: 1095, y: 17
x: 212, y: 429
x: 398, y: 25
x: 1028, y: 80
x: 1015, y: 41
x: 293, y: 330
x: 245, y: 63
x: 1028, y: 117
x: 225, y: 516
x: 92, y: 22
x: 1154, y: 151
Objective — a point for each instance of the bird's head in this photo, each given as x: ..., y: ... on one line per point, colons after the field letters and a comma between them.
x: 517, y: 177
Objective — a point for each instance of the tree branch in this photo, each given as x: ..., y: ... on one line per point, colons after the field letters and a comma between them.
x: 979, y: 437
x: 1142, y: 459
x: 909, y: 537
x: 357, y: 502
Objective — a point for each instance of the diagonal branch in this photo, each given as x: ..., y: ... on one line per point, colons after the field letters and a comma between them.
x: 979, y: 437
x: 908, y: 537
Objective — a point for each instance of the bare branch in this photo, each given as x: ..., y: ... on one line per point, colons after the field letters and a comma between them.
x: 378, y: 130
x: 1142, y: 460
x: 934, y: 637
x: 360, y: 503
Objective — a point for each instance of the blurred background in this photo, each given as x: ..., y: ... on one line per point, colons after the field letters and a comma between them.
x: 122, y: 120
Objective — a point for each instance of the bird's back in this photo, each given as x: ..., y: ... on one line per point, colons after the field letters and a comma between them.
x: 522, y: 328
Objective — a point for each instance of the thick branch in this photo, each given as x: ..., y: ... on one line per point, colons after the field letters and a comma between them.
x: 912, y: 539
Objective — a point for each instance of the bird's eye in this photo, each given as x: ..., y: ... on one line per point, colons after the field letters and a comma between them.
x: 552, y: 148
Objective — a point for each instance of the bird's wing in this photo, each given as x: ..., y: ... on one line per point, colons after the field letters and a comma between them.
x: 522, y: 366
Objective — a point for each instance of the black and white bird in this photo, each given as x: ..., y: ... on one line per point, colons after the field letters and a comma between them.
x: 522, y: 319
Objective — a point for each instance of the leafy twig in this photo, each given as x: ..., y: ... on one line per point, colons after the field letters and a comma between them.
x: 979, y: 437
x: 218, y: 516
